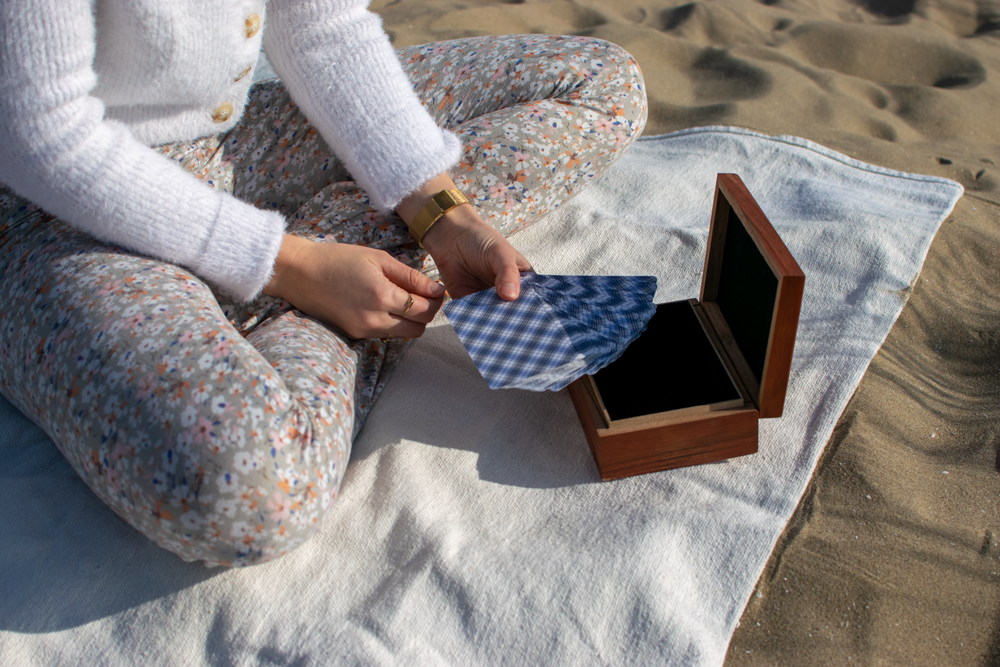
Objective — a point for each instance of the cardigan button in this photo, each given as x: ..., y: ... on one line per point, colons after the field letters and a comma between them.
x: 222, y: 113
x: 252, y: 25
x: 242, y: 75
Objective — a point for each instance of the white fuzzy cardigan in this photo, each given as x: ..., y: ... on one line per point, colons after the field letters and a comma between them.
x: 86, y: 86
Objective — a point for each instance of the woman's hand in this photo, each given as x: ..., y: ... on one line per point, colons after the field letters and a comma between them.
x: 470, y: 254
x: 363, y: 292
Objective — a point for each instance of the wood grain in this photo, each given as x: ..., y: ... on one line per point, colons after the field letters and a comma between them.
x: 673, y: 443
x: 702, y: 434
x: 758, y: 226
x: 770, y: 398
x: 780, y: 349
x: 603, y: 418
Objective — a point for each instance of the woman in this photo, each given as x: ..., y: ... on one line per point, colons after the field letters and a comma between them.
x: 203, y: 283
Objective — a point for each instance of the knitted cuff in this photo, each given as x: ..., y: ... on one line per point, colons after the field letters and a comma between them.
x: 240, y: 252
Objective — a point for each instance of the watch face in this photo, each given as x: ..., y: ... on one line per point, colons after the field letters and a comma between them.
x: 449, y: 198
x: 444, y: 199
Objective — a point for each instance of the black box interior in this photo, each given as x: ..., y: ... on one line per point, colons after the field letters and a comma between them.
x: 671, y: 366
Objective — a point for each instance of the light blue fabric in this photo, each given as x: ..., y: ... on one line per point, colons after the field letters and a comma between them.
x: 472, y: 528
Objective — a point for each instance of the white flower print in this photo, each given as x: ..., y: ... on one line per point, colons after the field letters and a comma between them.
x: 219, y: 405
x: 188, y: 416
x: 244, y: 462
x: 227, y: 507
x: 256, y: 414
x: 205, y: 361
x: 201, y: 393
x: 228, y: 482
x: 241, y: 530
x: 236, y: 437
x: 191, y: 521
x: 169, y: 460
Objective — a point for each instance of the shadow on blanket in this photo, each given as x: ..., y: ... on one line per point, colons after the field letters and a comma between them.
x: 552, y: 454
x: 111, y: 568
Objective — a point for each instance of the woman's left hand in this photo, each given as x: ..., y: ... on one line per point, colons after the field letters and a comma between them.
x: 470, y: 254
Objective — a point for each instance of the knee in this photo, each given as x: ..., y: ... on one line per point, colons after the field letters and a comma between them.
x: 617, y: 57
x: 247, y: 496
x: 617, y: 85
x: 627, y: 88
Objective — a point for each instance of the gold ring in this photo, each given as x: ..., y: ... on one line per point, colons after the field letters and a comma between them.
x: 387, y: 338
x: 409, y: 304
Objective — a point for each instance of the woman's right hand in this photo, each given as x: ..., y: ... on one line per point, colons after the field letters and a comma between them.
x: 361, y: 291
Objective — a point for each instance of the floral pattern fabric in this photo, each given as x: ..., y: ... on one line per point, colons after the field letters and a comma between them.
x: 221, y: 430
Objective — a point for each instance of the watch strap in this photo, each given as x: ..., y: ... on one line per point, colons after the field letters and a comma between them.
x: 432, y: 211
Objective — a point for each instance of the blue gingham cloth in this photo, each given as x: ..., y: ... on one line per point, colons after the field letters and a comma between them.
x: 559, y: 328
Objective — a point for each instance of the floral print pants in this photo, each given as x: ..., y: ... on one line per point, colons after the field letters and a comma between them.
x: 221, y: 430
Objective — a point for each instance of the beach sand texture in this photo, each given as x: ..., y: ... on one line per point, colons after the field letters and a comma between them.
x: 892, y: 556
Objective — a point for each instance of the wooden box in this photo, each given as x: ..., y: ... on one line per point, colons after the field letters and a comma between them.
x: 691, y: 389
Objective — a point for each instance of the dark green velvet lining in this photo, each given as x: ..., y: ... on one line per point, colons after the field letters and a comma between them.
x: 747, y: 292
x: 671, y: 366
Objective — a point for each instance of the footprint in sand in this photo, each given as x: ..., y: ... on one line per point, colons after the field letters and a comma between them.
x: 919, y: 60
x: 918, y: 85
x: 675, y: 16
x: 718, y: 76
x: 888, y: 8
x: 716, y: 79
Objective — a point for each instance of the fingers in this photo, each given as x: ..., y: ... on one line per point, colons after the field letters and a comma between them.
x: 355, y: 290
x: 508, y: 264
x: 415, y: 307
x: 380, y: 325
x: 409, y: 321
x: 414, y: 296
x: 410, y: 279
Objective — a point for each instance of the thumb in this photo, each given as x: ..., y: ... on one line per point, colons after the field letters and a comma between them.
x: 410, y: 279
x: 508, y: 281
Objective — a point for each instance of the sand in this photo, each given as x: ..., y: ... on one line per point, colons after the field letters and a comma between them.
x: 893, y: 556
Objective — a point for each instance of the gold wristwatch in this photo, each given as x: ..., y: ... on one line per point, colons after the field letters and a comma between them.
x: 432, y: 211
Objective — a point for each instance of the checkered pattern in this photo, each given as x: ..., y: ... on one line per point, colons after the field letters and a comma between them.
x: 561, y: 327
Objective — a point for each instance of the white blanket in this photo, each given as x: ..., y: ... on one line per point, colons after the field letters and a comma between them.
x: 472, y: 528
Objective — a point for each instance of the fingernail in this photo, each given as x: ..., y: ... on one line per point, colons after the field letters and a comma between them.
x: 437, y: 289
x: 508, y: 290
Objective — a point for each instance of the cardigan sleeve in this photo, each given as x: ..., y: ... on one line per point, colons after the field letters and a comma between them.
x: 57, y: 150
x: 340, y: 68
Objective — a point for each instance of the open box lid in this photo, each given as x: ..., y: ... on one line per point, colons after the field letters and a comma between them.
x: 751, y: 290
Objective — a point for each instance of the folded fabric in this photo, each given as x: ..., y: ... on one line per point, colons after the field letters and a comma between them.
x: 559, y: 328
